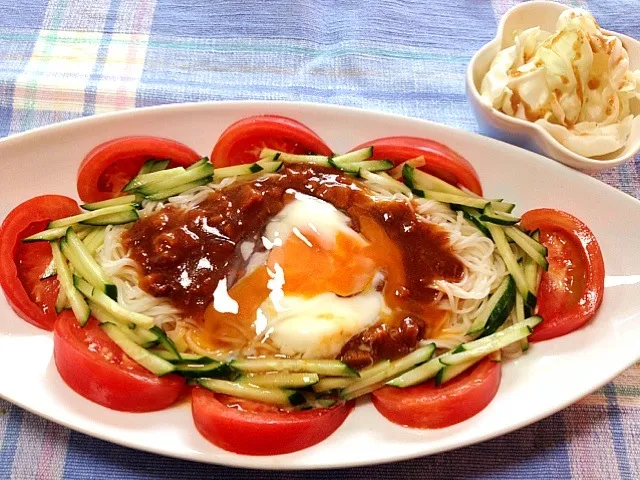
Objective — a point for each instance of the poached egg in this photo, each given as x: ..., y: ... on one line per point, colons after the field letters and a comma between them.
x: 309, y: 291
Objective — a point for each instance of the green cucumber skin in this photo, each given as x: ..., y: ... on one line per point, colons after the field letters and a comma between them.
x: 210, y: 370
x: 500, y: 314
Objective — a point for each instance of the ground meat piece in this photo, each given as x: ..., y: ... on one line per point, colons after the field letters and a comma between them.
x: 381, y: 341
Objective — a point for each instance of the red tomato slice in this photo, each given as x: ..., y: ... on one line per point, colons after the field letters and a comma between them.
x: 253, y: 428
x: 22, y: 264
x: 242, y: 141
x: 111, y: 165
x: 96, y: 368
x: 571, y: 290
x: 428, y: 406
x: 442, y: 162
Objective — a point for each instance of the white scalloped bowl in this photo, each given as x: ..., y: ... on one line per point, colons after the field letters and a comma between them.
x: 527, y: 134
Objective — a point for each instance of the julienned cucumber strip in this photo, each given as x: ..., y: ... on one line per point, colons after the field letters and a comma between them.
x: 166, y: 342
x: 520, y: 317
x: 496, y: 310
x: 473, y: 217
x: 419, y: 180
x: 214, y: 369
x: 88, y: 240
x: 332, y: 383
x: 334, y: 368
x: 417, y: 375
x: 291, y: 158
x: 374, y: 369
x: 251, y: 392
x: 62, y: 303
x: 512, y: 264
x: 130, y: 333
x: 125, y: 200
x: 467, y: 352
x: 82, y: 230
x: 280, y: 380
x: 95, y: 240
x: 531, y: 269
x: 530, y: 322
x: 77, y: 302
x: 140, y: 335
x: 186, y: 177
x: 197, y: 164
x: 338, y: 383
x: 119, y: 218
x: 493, y: 342
x: 111, y: 306
x: 190, y: 358
x: 246, y: 169
x: 395, y: 368
x: 531, y: 247
x: 46, y: 235
x: 495, y: 211
x: 355, y: 156
x: 54, y: 233
x: 179, y: 189
x: 452, y: 199
x: 151, y: 166
x: 519, y: 306
x: 146, y: 167
x: 517, y: 231
x: 500, y: 206
x: 68, y: 221
x: 139, y: 354
x: 366, y: 165
x: 372, y: 372
x: 417, y: 162
x: 159, y: 165
x: 447, y: 373
x: 383, y: 179
x: 147, y: 178
x: 84, y: 263
x: 489, y: 215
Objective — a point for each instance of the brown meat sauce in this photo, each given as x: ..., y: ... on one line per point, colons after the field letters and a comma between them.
x: 183, y: 254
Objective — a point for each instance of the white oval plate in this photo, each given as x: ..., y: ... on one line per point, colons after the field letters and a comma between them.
x: 549, y: 377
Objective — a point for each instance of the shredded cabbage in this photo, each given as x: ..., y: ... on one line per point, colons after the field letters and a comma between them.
x: 574, y: 83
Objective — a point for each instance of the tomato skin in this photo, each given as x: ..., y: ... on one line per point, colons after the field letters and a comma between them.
x: 242, y: 141
x: 442, y: 162
x: 23, y: 263
x: 570, y: 242
x: 263, y: 431
x: 428, y: 406
x: 109, y: 166
x: 118, y: 382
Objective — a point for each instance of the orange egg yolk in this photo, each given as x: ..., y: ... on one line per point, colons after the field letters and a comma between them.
x: 313, y: 266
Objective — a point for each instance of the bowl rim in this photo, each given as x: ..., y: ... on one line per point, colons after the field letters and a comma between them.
x: 589, y: 163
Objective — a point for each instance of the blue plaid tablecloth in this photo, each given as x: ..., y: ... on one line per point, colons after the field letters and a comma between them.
x: 62, y: 59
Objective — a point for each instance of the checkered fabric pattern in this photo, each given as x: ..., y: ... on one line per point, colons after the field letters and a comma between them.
x: 62, y: 59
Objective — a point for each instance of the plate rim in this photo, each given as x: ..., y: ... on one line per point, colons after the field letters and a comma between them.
x: 235, y: 460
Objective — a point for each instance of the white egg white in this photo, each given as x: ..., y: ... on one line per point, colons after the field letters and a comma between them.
x: 306, y: 213
x: 318, y: 327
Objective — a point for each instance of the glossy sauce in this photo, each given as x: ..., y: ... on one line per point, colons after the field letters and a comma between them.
x: 183, y: 254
